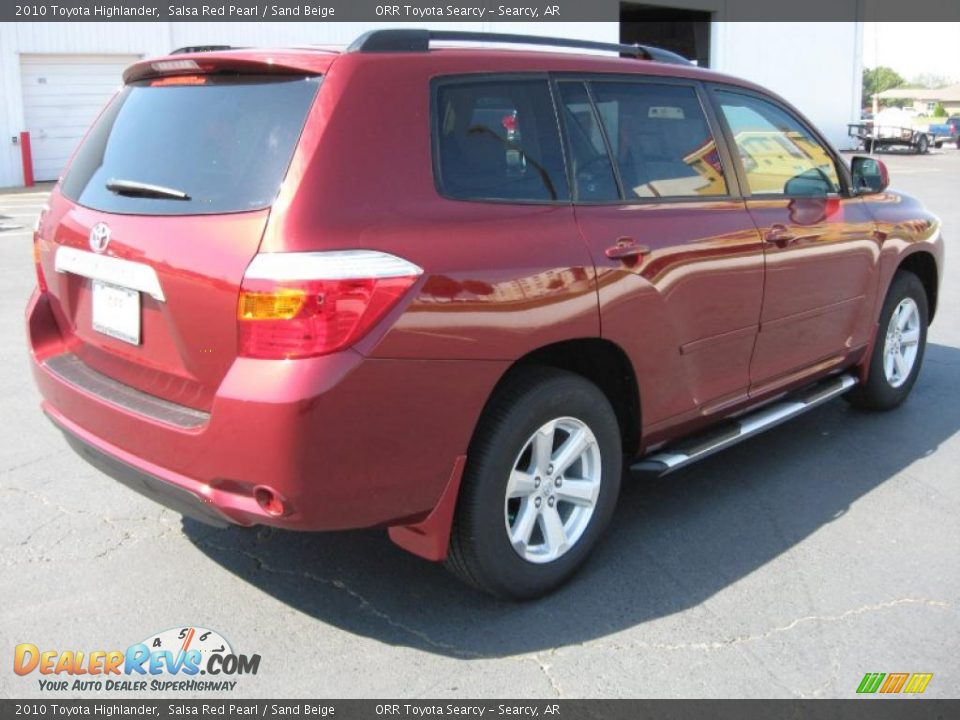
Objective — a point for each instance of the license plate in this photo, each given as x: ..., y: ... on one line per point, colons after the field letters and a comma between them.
x: 116, y: 312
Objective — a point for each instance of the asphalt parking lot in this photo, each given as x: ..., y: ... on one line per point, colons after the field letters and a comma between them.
x: 788, y: 566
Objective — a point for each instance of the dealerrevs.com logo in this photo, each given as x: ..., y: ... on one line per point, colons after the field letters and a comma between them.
x: 188, y: 659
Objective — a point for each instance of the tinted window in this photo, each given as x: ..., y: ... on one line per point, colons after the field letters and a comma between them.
x: 591, y: 168
x: 779, y: 155
x: 660, y: 139
x: 226, y: 143
x: 499, y: 140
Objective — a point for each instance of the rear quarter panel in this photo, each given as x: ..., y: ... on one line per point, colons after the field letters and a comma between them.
x: 500, y: 279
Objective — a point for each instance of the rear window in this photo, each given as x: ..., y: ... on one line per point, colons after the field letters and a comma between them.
x: 226, y: 144
x: 499, y: 140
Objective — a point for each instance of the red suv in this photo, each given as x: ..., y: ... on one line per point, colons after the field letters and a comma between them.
x: 452, y: 291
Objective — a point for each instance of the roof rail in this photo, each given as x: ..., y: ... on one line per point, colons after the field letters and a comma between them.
x: 201, y: 49
x: 414, y: 40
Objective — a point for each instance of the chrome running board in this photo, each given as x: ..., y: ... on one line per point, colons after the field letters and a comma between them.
x: 729, y: 433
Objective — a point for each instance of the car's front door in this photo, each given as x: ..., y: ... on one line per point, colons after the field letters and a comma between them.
x: 819, y: 244
x: 679, y: 261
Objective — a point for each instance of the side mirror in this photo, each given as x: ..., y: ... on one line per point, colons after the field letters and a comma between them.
x: 869, y: 175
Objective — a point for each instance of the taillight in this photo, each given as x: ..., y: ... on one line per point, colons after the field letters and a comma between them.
x: 41, y: 280
x: 302, y: 304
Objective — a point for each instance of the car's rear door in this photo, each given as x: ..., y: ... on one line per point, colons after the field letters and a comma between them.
x: 819, y: 243
x: 679, y: 261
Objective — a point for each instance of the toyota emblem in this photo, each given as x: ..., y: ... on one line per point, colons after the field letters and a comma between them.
x: 99, y: 237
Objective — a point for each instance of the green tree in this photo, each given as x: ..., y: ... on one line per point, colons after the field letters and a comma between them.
x: 878, y: 79
x: 930, y: 80
x: 939, y: 111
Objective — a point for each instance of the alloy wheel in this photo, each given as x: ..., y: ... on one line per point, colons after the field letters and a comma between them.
x: 902, y: 342
x: 552, y: 490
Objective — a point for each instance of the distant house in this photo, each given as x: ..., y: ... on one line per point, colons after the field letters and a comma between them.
x: 925, y: 100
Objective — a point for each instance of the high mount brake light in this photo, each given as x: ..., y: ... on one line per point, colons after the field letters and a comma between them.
x: 295, y: 305
x: 174, y: 65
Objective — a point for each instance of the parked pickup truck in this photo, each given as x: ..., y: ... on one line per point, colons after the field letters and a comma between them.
x: 946, y: 132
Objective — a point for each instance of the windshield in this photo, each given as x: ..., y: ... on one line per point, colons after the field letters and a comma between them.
x: 218, y: 146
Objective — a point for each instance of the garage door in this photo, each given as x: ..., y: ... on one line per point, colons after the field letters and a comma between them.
x: 62, y: 95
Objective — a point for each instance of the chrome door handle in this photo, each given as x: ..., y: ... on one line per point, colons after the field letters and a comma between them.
x: 779, y: 235
x: 626, y: 248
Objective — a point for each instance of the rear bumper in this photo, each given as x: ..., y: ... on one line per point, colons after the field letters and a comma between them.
x: 345, y: 441
x: 175, y: 492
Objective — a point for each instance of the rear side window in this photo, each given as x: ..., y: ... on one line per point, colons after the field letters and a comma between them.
x: 660, y: 139
x: 592, y: 172
x: 498, y: 140
x: 225, y: 144
x: 780, y: 156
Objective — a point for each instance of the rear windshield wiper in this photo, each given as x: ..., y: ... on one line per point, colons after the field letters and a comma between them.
x: 141, y: 189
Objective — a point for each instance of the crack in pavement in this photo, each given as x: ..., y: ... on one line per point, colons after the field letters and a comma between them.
x: 43, y: 500
x: 34, y: 554
x: 745, y: 652
x: 366, y: 605
x: 340, y: 585
x: 107, y: 519
x: 124, y: 537
x: 541, y: 658
x: 740, y: 639
x: 33, y: 461
x: 546, y: 669
x: 50, y: 521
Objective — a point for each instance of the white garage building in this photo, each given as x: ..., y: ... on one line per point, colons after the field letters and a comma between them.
x: 55, y: 77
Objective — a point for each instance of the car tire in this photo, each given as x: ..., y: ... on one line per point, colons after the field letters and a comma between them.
x: 512, y: 547
x: 923, y: 145
x: 902, y: 331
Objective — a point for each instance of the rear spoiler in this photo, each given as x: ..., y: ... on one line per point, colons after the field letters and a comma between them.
x: 236, y: 61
